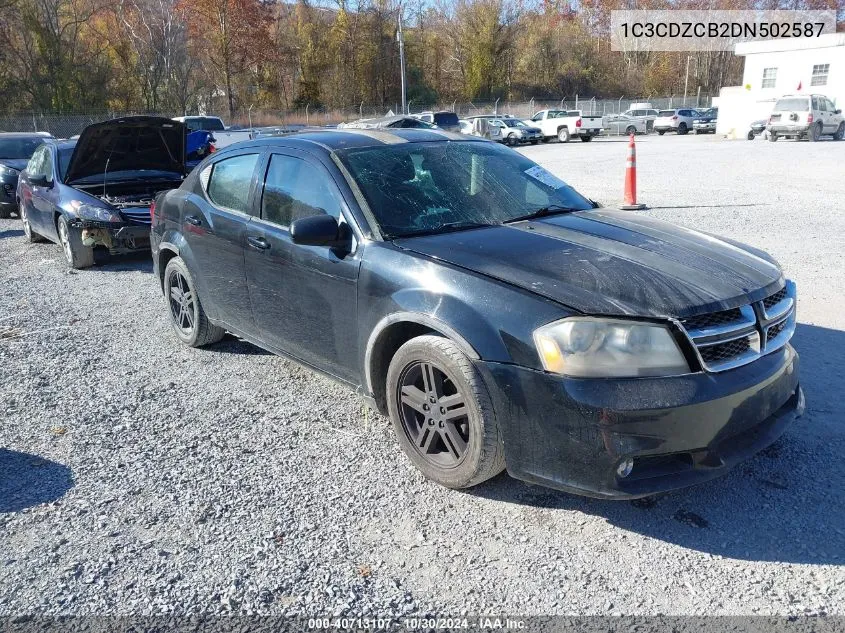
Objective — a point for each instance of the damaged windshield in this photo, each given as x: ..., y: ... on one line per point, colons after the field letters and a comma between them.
x: 419, y: 188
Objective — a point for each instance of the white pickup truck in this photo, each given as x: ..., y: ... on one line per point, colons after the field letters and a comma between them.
x: 213, y: 124
x: 564, y: 124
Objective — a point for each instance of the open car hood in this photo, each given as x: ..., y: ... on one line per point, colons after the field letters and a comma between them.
x: 128, y: 144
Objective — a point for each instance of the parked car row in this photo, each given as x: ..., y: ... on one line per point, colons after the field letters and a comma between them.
x: 498, y: 317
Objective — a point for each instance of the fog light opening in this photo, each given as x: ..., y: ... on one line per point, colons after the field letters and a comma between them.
x: 625, y: 467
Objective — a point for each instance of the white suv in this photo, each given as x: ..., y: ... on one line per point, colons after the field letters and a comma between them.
x: 805, y: 116
x: 679, y: 121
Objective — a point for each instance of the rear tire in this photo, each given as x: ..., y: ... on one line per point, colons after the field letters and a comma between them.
x: 5, y: 213
x: 586, y: 139
x: 814, y: 133
x: 840, y: 132
x: 460, y: 444
x: 750, y: 135
x: 70, y: 238
x: 661, y: 132
x: 187, y: 315
x: 563, y: 135
x: 773, y: 137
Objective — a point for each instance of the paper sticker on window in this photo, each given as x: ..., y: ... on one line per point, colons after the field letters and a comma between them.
x: 547, y: 178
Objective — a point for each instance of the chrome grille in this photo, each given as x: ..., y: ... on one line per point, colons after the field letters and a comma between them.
x: 774, y: 330
x: 723, y: 351
x: 137, y: 215
x: 774, y: 299
x: 730, y: 338
x: 713, y: 319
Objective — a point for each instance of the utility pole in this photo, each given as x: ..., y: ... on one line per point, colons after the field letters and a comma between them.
x: 401, y: 40
x: 686, y: 81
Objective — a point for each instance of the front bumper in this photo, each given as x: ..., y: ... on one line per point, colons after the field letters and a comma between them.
x: 118, y: 237
x: 571, y: 434
x: 704, y: 127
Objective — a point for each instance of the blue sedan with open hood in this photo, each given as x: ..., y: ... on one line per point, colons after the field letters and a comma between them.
x: 496, y: 315
x: 96, y: 192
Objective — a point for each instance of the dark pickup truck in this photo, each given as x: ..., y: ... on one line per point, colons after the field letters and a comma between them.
x: 497, y: 316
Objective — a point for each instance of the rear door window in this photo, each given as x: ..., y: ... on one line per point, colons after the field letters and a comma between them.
x: 230, y: 180
x: 795, y: 104
x: 294, y: 189
x: 446, y: 118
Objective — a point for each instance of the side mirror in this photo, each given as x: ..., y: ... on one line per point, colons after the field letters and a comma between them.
x: 315, y: 230
x: 837, y: 111
x: 40, y: 181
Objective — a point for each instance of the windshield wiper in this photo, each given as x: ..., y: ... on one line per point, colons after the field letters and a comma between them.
x: 444, y: 228
x: 552, y: 209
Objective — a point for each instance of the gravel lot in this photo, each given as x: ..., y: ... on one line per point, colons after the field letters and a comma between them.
x: 139, y: 477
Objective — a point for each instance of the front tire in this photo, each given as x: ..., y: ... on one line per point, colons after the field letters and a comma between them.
x: 563, y: 135
x: 442, y: 413
x: 511, y: 140
x: 682, y: 129
x: 187, y: 315
x: 70, y: 238
x: 630, y: 130
x: 661, y: 132
x: 30, y: 235
x: 5, y: 213
x: 840, y: 132
x: 773, y: 137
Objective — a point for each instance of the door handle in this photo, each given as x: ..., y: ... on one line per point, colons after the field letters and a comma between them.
x: 192, y: 219
x: 258, y: 242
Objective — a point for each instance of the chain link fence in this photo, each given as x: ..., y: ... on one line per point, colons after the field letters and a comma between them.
x: 69, y: 125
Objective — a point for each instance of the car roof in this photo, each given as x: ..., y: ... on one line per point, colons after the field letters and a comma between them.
x: 350, y: 138
x: 37, y: 135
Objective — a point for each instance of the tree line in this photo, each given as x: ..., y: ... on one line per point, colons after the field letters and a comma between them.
x: 63, y: 56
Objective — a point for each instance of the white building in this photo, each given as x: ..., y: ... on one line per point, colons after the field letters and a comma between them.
x: 813, y: 65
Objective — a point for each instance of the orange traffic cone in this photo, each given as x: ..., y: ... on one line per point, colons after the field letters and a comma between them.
x: 630, y: 201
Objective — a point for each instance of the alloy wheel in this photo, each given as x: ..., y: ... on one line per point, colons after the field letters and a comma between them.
x: 27, y: 230
x: 64, y: 238
x: 434, y: 414
x: 181, y: 299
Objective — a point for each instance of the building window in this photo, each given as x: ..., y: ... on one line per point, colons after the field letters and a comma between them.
x: 770, y: 77
x: 820, y: 72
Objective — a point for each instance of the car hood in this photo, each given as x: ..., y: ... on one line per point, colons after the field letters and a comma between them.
x: 128, y: 144
x: 612, y: 262
x: 15, y: 163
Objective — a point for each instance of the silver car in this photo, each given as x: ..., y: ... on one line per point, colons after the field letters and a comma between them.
x: 515, y: 131
x: 624, y: 124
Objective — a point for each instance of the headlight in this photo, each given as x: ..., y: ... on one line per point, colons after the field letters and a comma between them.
x: 99, y: 214
x: 590, y: 347
x: 8, y: 171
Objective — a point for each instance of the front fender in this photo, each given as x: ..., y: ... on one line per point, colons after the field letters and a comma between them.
x: 486, y: 318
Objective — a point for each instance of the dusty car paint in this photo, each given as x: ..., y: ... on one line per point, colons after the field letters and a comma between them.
x: 488, y: 289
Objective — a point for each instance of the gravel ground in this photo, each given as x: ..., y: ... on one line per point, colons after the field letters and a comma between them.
x: 138, y: 476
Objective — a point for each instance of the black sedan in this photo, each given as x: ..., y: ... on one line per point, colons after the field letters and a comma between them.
x: 498, y: 317
x: 15, y: 151
x: 96, y: 193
